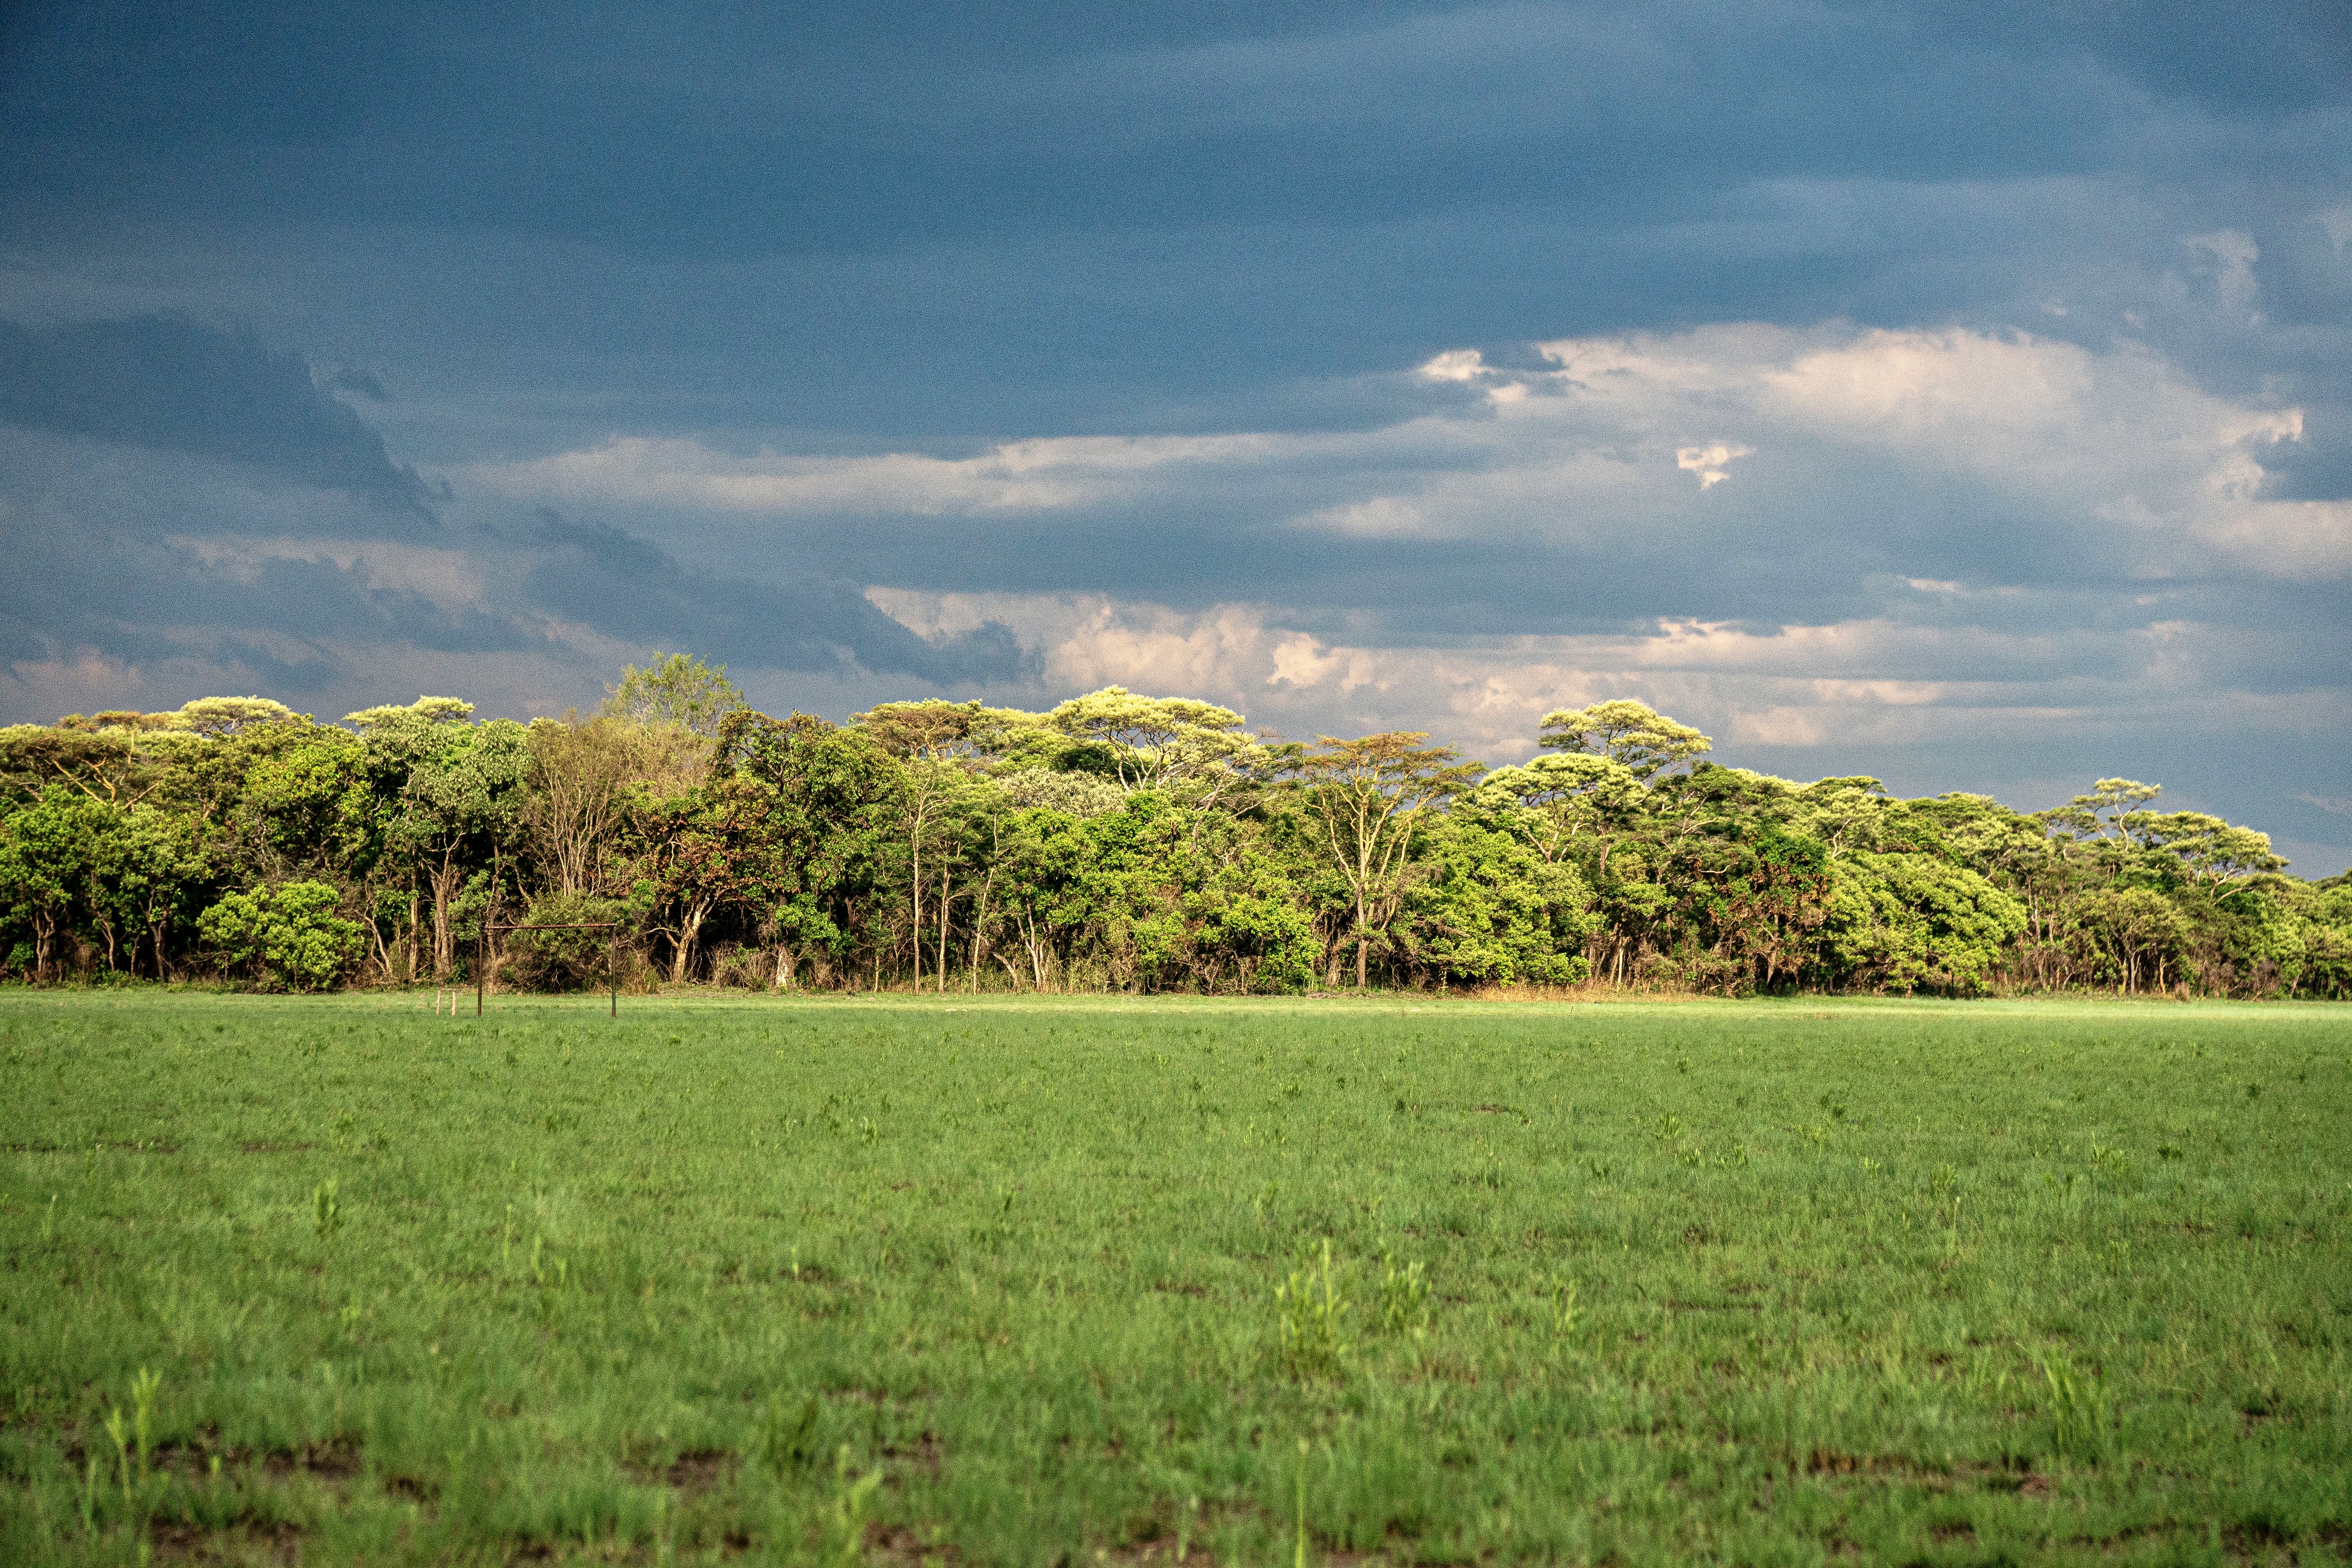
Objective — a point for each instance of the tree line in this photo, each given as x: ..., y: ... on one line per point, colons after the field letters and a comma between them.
x: 1115, y: 842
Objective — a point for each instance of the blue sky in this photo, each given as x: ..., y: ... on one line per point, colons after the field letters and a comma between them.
x: 1955, y: 393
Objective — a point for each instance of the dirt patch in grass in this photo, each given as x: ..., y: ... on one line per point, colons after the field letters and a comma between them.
x: 897, y: 1543
x: 700, y: 1470
x: 248, y: 1543
x: 1832, y: 1462
x: 923, y: 1454
x: 336, y: 1459
x: 1140, y: 1552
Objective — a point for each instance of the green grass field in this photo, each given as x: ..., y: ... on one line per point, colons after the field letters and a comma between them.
x: 1002, y: 1281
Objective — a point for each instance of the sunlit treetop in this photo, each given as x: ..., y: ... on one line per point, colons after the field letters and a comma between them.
x: 680, y: 689
x: 424, y: 710
x: 219, y: 717
x: 1646, y: 742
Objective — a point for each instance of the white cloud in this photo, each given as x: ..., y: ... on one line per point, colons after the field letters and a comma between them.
x: 2117, y: 446
x: 1382, y: 517
x: 1861, y: 683
x: 1456, y: 364
x: 1708, y: 462
x: 1018, y: 476
x: 450, y: 578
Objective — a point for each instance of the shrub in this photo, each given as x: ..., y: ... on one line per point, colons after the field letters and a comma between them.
x: 288, y: 937
x: 563, y: 960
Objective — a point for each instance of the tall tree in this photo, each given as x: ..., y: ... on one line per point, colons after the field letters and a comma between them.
x: 48, y: 857
x: 580, y: 782
x: 454, y: 790
x: 696, y: 854
x: 148, y: 875
x: 680, y: 689
x: 1179, y: 743
x: 1366, y: 798
x: 2104, y: 815
x: 832, y: 804
x: 938, y: 743
x: 1556, y: 801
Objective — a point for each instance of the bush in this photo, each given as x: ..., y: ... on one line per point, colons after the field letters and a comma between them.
x: 287, y: 937
x: 563, y: 960
x: 745, y: 968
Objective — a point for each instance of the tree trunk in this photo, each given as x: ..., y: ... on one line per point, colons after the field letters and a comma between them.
x: 944, y: 886
x: 784, y: 967
x: 382, y: 950
x: 915, y: 850
x: 980, y: 944
x: 445, y: 892
x: 1036, y: 952
x: 690, y: 925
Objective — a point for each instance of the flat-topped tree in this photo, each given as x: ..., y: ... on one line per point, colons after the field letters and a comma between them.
x: 219, y: 717
x: 1367, y: 799
x: 1163, y: 742
x: 114, y: 766
x: 2211, y: 851
x: 1633, y: 733
x: 935, y: 730
x: 1557, y: 800
x: 2104, y: 815
x: 122, y: 757
x: 941, y: 746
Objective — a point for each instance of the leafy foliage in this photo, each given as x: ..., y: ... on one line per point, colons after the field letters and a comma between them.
x: 1117, y: 841
x: 289, y: 936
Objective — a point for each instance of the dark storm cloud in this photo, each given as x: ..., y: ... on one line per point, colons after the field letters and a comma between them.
x: 1013, y: 218
x: 751, y: 130
x: 628, y: 588
x: 134, y: 599
x: 169, y: 382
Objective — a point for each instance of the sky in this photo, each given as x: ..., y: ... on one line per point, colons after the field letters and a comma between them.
x: 1959, y: 394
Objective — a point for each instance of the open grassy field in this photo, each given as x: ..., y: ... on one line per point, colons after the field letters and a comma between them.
x: 833, y: 1280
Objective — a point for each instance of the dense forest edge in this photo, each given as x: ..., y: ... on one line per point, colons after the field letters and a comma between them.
x: 1116, y: 843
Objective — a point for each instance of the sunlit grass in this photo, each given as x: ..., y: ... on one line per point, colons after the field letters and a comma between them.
x: 824, y: 1279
